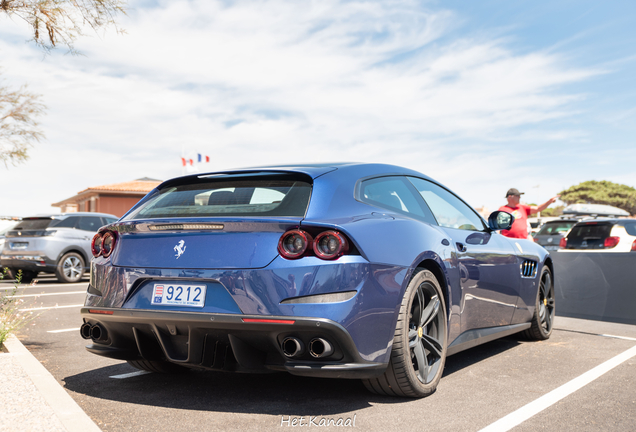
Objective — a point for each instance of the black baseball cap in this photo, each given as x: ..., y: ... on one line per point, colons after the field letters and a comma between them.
x: 513, y: 191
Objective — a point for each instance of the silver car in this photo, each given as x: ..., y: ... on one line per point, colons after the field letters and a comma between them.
x: 59, y: 244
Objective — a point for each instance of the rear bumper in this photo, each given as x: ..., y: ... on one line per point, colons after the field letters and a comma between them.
x: 35, y: 263
x: 235, y: 342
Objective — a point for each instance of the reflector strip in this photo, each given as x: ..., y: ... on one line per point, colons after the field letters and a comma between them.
x: 270, y: 321
x: 95, y: 311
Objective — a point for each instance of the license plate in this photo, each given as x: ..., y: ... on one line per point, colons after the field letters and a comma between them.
x: 552, y: 248
x: 178, y: 295
x: 19, y: 245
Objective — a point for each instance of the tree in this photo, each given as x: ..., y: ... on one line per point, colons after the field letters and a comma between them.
x: 60, y: 22
x: 601, y: 192
x: 19, y: 127
x: 53, y: 23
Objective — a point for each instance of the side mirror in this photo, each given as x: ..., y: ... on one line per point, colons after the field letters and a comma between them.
x: 500, y: 220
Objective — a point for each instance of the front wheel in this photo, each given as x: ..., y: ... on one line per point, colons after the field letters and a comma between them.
x: 419, y: 345
x: 543, y: 317
x: 70, y: 268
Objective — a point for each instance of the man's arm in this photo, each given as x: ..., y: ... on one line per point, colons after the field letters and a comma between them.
x: 536, y: 209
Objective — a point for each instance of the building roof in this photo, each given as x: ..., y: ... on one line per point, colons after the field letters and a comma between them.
x: 144, y: 185
x: 139, y: 187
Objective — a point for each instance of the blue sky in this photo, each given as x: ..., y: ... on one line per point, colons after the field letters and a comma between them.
x: 482, y: 96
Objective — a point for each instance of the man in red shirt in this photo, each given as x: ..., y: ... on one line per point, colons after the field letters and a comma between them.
x: 521, y: 212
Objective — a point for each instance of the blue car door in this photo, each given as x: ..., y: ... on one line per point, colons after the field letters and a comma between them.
x: 486, y: 262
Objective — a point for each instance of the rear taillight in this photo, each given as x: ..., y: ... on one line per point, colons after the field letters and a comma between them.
x: 96, y: 245
x: 103, y: 244
x: 634, y: 246
x: 330, y: 245
x: 108, y: 243
x: 293, y: 244
x: 611, y: 242
x: 563, y: 243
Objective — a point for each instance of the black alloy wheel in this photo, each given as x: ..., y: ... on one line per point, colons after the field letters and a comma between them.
x: 543, y: 317
x: 419, y: 345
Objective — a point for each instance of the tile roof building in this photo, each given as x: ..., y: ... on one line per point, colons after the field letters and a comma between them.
x: 115, y: 199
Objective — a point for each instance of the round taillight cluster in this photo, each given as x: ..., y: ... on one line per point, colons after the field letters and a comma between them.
x: 103, y: 243
x: 327, y: 245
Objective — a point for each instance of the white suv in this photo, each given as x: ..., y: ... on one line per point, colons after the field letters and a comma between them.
x: 59, y: 244
x: 601, y: 235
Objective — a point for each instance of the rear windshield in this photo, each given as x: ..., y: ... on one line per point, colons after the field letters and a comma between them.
x: 555, y: 228
x: 588, y: 236
x: 33, y: 224
x: 235, y: 197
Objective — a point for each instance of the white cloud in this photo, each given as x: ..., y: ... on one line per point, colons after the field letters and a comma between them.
x: 266, y: 82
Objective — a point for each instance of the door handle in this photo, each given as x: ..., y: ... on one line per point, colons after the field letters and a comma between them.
x: 460, y: 247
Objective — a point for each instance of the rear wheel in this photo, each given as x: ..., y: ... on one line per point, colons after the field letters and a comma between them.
x: 27, y: 276
x: 419, y: 345
x: 157, y: 366
x: 70, y: 268
x: 543, y: 318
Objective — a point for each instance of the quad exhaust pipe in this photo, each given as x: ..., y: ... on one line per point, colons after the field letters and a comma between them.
x: 292, y: 347
x: 319, y: 347
x: 95, y: 332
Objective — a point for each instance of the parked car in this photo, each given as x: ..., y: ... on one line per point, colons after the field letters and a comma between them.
x: 59, y: 244
x: 551, y: 232
x: 537, y: 222
x: 601, y: 235
x: 347, y: 270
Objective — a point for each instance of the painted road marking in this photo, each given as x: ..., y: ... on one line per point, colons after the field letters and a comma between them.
x: 50, y: 307
x: 63, y: 331
x: 130, y: 375
x: 42, y: 287
x: 524, y: 413
x: 47, y: 294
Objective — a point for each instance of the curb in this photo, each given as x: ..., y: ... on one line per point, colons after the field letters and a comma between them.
x: 72, y: 417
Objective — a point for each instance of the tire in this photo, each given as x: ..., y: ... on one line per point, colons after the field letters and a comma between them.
x: 420, y: 342
x: 157, y: 366
x: 70, y: 268
x: 27, y: 276
x: 543, y: 317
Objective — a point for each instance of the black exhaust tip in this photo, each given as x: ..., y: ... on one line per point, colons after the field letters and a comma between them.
x: 85, y: 331
x: 292, y: 347
x: 98, y: 333
x: 319, y: 347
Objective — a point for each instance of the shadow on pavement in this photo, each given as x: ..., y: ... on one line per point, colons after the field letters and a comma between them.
x: 251, y: 393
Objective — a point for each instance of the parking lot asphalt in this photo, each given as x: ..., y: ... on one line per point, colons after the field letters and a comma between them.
x: 581, y: 379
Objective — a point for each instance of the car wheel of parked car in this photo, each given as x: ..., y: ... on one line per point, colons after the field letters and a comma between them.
x: 27, y: 276
x: 157, y: 366
x: 544, y: 308
x: 419, y: 345
x: 70, y: 268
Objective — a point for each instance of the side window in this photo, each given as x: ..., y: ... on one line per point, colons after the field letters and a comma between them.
x: 395, y: 193
x: 630, y: 228
x: 449, y: 210
x: 108, y: 221
x: 90, y: 223
x: 69, y: 222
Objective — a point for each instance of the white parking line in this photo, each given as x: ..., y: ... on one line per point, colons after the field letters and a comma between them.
x: 63, y: 331
x: 129, y: 375
x: 618, y: 337
x: 50, y: 307
x: 41, y: 287
x: 524, y: 413
x: 47, y: 294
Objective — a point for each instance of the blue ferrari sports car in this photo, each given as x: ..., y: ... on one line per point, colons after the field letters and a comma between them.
x: 349, y: 270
